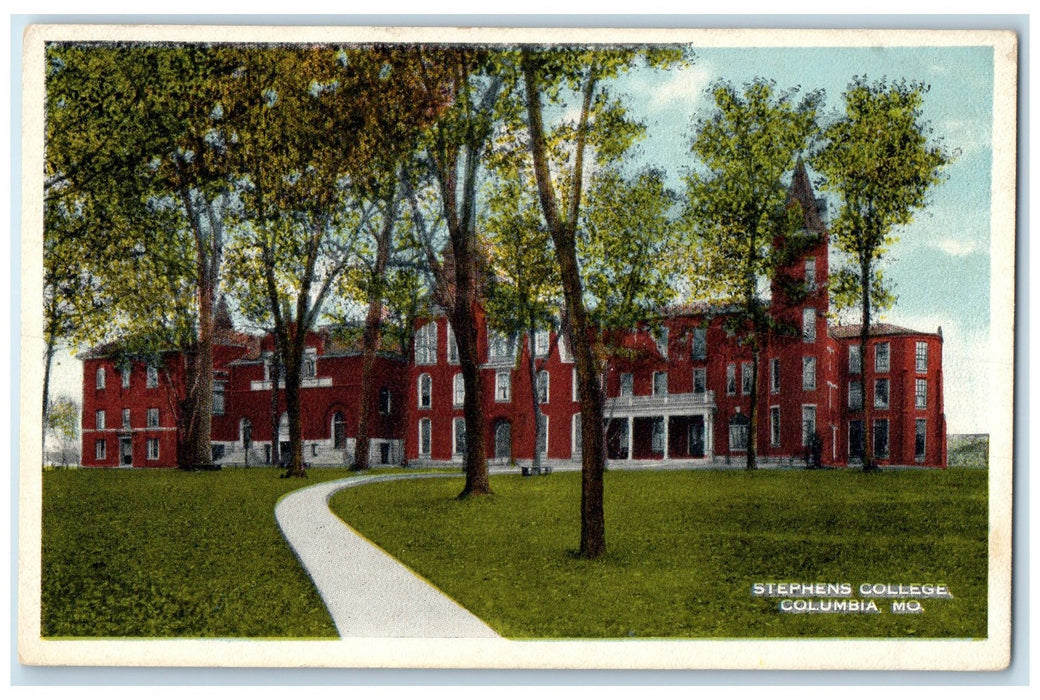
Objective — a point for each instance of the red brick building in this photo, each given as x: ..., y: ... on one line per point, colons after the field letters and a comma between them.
x: 678, y: 389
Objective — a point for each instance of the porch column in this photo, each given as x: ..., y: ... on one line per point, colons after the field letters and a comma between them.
x: 709, y: 432
x: 665, y: 419
x: 631, y: 437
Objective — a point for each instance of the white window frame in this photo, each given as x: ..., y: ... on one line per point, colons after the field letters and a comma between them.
x: 921, y: 357
x: 456, y: 424
x: 426, y: 344
x: 425, y: 430
x: 126, y: 377
x: 626, y: 384
x: 774, y: 375
x: 747, y: 378
x: 428, y: 380
x: 542, y: 386
x: 921, y: 394
x: 731, y: 379
x: 152, y: 413
x: 882, y: 360
x: 453, y: 347
x: 664, y: 388
x: 99, y: 419
x: 855, y: 361
x: 809, y: 325
x: 99, y: 378
x: 809, y: 373
x: 541, y: 343
x: 100, y: 449
x: 503, y: 387
x: 774, y: 426
x: 808, y: 410
x: 152, y: 377
x: 458, y: 390
x: 810, y: 274
x: 879, y: 400
x: 699, y: 343
x: 153, y: 448
x: 703, y: 372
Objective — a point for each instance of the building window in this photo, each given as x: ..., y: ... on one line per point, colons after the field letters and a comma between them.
x: 218, y: 399
x: 126, y: 377
x: 425, y: 438
x: 626, y: 384
x: 574, y: 384
x: 453, y: 346
x: 543, y: 387
x: 661, y: 339
x: 809, y: 325
x: 700, y: 380
x: 880, y: 393
x: 152, y: 374
x: 731, y: 379
x: 921, y: 357
x: 921, y: 393
x: 881, y: 357
x: 774, y: 426
x: 245, y: 430
x: 881, y: 438
x: 855, y: 396
x: 920, y: 435
x: 808, y: 373
x: 126, y: 419
x: 700, y: 344
x: 153, y: 418
x: 502, y: 386
x: 385, y: 401
x: 854, y: 360
x: 99, y: 378
x: 808, y: 424
x: 99, y: 420
x: 810, y: 274
x: 99, y: 449
x: 543, y: 434
x: 501, y: 347
x: 339, y: 431
x: 576, y: 433
x: 459, y: 441
x: 310, y: 365
x: 738, y: 432
x: 425, y: 391
x: 660, y: 383
x: 745, y: 378
x: 774, y: 375
x: 458, y: 393
x: 426, y: 344
x: 153, y: 448
x: 541, y: 343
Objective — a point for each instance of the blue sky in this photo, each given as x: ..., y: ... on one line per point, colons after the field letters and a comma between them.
x: 940, y: 267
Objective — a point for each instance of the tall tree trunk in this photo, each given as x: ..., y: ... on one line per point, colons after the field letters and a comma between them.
x: 532, y: 372
x: 199, y: 450
x: 562, y: 229
x: 373, y: 332
x: 293, y: 404
x: 276, y: 423
x: 48, y: 359
x: 752, y: 447
x: 464, y: 322
x: 864, y: 333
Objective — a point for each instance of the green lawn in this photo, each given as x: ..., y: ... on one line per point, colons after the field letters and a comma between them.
x: 684, y: 549
x: 167, y: 553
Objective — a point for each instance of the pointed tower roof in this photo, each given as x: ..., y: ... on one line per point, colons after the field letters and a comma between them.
x: 802, y: 193
x: 222, y: 316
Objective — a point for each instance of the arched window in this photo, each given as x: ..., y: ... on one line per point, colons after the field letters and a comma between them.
x: 458, y: 390
x: 426, y: 344
x: 425, y: 391
x: 339, y: 431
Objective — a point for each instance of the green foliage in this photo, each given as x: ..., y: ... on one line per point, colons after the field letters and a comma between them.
x: 686, y: 548
x: 880, y: 163
x: 168, y: 554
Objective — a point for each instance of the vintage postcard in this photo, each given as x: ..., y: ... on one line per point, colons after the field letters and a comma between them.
x: 517, y: 348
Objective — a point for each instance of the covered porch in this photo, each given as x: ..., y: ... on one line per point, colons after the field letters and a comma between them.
x: 669, y: 427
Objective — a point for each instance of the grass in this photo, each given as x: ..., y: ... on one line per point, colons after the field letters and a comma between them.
x: 685, y: 547
x: 167, y: 553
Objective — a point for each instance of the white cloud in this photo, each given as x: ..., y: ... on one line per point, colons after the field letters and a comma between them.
x: 957, y: 248
x: 685, y: 85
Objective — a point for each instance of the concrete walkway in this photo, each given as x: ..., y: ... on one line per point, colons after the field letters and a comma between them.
x: 368, y: 592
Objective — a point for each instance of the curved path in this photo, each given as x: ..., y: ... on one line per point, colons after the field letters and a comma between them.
x: 368, y: 592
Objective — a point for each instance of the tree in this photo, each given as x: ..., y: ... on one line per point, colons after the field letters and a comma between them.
x: 61, y: 430
x: 135, y: 132
x: 453, y: 151
x: 738, y: 207
x: 602, y: 127
x: 879, y: 162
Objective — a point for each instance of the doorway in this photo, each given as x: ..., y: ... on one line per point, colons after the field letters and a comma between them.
x: 126, y: 452
x: 503, y: 441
